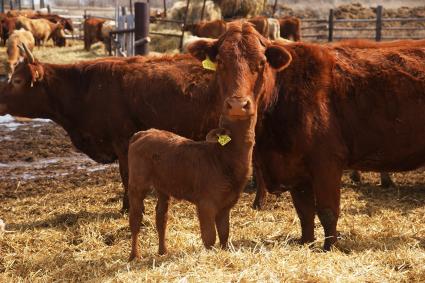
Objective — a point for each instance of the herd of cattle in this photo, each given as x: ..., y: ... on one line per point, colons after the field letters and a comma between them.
x: 312, y: 110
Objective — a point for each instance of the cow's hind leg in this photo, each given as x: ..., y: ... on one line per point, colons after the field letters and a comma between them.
x: 207, y: 213
x: 222, y: 224
x: 123, y: 163
x: 386, y: 181
x: 161, y: 220
x: 326, y: 187
x: 303, y: 199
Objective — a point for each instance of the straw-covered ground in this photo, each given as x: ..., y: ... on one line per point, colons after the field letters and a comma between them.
x: 63, y: 224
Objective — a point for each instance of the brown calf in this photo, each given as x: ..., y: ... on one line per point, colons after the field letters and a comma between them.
x: 208, y: 174
x: 14, y: 51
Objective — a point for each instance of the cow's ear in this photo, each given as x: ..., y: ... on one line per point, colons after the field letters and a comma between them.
x: 37, y: 72
x: 200, y: 49
x: 278, y: 57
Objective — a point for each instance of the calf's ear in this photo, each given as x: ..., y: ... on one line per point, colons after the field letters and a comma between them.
x: 278, y: 57
x: 37, y: 72
x: 213, y: 135
x: 200, y: 49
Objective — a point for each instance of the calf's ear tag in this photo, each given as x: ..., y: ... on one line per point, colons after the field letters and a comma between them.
x: 223, y: 139
x: 209, y: 65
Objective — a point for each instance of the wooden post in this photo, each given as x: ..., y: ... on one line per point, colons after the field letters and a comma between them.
x: 331, y: 25
x: 19, y: 5
x: 378, y: 36
x: 42, y: 5
x: 274, y: 7
x: 32, y: 5
x: 165, y: 8
x: 11, y: 4
x: 49, y: 11
x: 123, y: 11
x: 203, y: 10
x: 141, y: 25
x: 2, y: 6
x: 184, y: 25
x: 131, y: 7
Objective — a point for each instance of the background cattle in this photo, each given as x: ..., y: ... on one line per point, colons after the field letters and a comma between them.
x: 96, y: 30
x: 212, y: 29
x: 290, y: 28
x: 14, y: 45
x: 8, y: 26
x: 42, y: 30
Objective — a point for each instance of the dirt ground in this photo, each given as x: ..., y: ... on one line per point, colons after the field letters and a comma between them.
x: 63, y: 224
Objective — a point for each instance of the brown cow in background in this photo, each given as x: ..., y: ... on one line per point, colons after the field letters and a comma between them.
x: 362, y: 108
x: 42, y: 30
x: 212, y: 29
x: 14, y: 51
x: 290, y: 28
x: 65, y: 22
x: 95, y: 30
x: 8, y: 25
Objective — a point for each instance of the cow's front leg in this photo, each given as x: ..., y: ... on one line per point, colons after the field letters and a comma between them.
x: 303, y: 199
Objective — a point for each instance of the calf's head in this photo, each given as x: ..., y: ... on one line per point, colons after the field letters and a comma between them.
x: 23, y: 95
x: 246, y: 64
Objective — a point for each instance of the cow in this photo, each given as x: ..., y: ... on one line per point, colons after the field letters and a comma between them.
x: 290, y: 28
x: 335, y: 108
x: 211, y: 29
x: 24, y: 12
x: 8, y: 25
x: 96, y: 29
x: 177, y: 167
x: 261, y: 24
x: 14, y: 51
x: 65, y: 22
x: 42, y: 30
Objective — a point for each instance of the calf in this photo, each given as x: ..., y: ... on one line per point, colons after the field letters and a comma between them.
x: 212, y: 29
x: 209, y: 174
x: 96, y: 30
x: 16, y: 39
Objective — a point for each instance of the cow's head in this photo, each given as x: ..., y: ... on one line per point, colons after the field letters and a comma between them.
x: 58, y: 35
x: 246, y: 63
x: 23, y: 94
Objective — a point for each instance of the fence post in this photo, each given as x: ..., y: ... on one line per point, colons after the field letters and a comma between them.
x: 184, y: 25
x: 203, y: 10
x: 32, y: 4
x: 274, y: 7
x: 19, y: 5
x: 123, y: 11
x: 141, y: 26
x: 378, y: 36
x: 2, y: 6
x: 165, y: 8
x: 42, y: 4
x: 11, y: 4
x: 331, y: 25
x: 131, y: 7
x: 49, y: 11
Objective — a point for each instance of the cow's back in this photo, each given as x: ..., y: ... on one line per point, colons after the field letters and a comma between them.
x: 379, y: 98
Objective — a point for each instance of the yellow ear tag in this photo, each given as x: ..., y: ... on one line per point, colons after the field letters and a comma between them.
x: 223, y: 139
x: 208, y: 64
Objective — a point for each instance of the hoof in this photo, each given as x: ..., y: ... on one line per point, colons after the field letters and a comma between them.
x: 134, y: 256
x: 162, y: 251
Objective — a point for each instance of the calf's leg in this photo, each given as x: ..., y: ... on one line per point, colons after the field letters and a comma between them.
x: 261, y: 188
x: 161, y: 220
x: 222, y: 225
x: 207, y: 213
x: 303, y: 199
x: 136, y: 214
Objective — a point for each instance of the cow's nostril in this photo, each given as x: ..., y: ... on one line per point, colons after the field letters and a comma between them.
x: 246, y: 106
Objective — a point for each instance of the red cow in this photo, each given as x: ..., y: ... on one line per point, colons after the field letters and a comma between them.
x: 290, y: 28
x: 336, y: 107
x: 211, y: 29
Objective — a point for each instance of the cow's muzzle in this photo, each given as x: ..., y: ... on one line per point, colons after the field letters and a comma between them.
x: 238, y: 106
